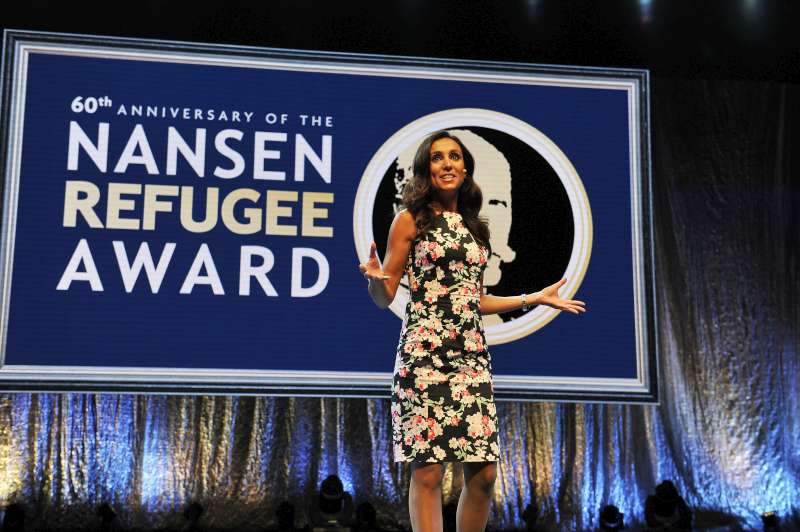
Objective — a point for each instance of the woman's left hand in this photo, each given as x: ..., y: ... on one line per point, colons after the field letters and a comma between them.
x: 549, y: 296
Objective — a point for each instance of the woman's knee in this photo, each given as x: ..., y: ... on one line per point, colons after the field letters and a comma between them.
x: 428, y: 476
x: 481, y: 476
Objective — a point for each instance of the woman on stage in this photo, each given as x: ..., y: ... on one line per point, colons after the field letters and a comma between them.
x: 442, y: 402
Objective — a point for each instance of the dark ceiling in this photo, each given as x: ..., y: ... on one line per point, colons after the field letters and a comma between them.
x: 734, y: 39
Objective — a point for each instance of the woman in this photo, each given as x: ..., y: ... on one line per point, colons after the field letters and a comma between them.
x: 442, y: 403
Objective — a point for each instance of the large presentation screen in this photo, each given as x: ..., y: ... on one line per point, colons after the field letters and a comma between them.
x: 187, y: 218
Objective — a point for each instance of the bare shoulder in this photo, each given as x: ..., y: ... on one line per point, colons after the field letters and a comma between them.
x: 404, y: 217
x: 404, y: 224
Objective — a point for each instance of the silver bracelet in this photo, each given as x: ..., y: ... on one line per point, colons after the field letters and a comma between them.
x: 525, y: 306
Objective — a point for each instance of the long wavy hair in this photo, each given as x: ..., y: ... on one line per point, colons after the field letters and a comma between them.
x: 418, y: 193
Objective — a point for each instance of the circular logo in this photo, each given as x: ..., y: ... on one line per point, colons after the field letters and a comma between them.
x: 535, y: 203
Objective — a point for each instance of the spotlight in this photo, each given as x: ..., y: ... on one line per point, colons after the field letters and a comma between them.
x: 14, y: 518
x: 611, y: 518
x: 667, y: 509
x: 334, y: 506
x: 770, y: 521
x: 331, y: 495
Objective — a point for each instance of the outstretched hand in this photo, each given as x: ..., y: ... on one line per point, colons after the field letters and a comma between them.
x: 372, y: 268
x: 549, y: 296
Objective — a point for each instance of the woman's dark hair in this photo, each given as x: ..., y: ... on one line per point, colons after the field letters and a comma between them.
x: 418, y: 194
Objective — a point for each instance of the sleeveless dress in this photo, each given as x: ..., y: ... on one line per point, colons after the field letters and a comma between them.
x: 442, y: 400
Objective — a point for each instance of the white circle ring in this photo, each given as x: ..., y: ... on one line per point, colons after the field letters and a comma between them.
x: 455, y: 118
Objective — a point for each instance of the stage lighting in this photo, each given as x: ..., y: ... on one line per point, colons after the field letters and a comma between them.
x: 331, y: 495
x: 770, y: 521
x: 611, y: 518
x: 334, y: 509
x: 667, y: 509
x: 646, y: 11
x: 14, y: 518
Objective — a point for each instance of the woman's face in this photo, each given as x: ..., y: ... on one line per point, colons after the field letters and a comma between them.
x: 447, y: 166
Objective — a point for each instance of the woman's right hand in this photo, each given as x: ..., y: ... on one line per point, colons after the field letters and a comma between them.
x: 372, y: 268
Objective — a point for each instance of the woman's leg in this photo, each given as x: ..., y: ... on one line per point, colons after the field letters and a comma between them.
x: 425, y: 497
x: 476, y: 497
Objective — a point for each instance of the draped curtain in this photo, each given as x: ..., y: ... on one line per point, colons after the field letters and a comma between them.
x: 727, y: 430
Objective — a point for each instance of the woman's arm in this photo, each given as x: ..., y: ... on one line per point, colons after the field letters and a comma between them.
x: 547, y: 296
x: 500, y: 304
x: 383, y: 281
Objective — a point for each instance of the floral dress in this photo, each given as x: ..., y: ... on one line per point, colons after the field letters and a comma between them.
x: 442, y: 402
